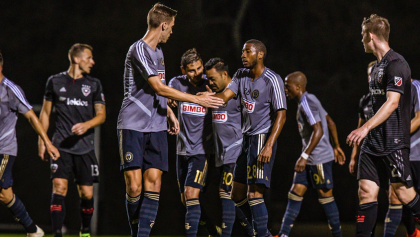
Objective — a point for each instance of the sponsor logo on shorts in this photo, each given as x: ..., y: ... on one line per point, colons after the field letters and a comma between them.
x: 77, y: 102
x: 248, y: 105
x: 193, y: 109
x: 398, y: 81
x: 86, y: 90
x: 219, y: 116
x: 128, y: 156
x: 54, y: 168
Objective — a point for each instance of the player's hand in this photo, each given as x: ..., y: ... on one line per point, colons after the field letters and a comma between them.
x: 79, y: 128
x: 207, y: 99
x: 53, y: 152
x: 300, y: 164
x: 353, y: 167
x: 172, y: 103
x: 42, y: 152
x: 173, y: 124
x: 339, y: 155
x: 265, y: 154
x: 356, y: 137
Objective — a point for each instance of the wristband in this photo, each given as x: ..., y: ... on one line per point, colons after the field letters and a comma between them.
x: 304, y: 155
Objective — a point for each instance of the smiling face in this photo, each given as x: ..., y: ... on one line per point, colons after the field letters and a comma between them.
x: 249, y: 55
x: 85, y: 61
x: 194, y: 71
x: 291, y: 88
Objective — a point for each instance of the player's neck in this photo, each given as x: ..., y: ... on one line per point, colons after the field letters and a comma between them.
x: 74, y: 72
x: 381, y: 49
x: 152, y: 38
x: 1, y: 77
x: 257, y: 70
x: 299, y: 96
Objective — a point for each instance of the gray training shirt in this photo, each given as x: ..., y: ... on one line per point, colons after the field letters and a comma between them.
x: 12, y: 101
x: 310, y: 112
x: 415, y: 137
x: 195, y: 135
x: 227, y: 131
x: 142, y: 109
x: 261, y: 99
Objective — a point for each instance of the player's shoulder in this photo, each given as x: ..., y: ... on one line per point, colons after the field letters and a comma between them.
x: 415, y: 85
x: 312, y: 99
x: 58, y: 77
x: 93, y: 80
x: 180, y: 79
x: 271, y: 77
x: 10, y: 84
x: 241, y: 72
x: 395, y: 59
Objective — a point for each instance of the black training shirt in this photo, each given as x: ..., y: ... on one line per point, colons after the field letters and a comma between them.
x: 392, y: 73
x: 74, y: 103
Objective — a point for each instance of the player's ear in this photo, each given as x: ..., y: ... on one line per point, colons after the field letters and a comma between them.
x: 224, y: 75
x: 260, y: 55
x: 183, y: 70
x: 164, y: 26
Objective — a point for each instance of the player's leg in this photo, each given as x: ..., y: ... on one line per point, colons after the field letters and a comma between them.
x: 86, y: 208
x: 322, y: 180
x: 258, y: 208
x: 228, y: 205
x: 131, y: 148
x: 294, y: 203
x: 408, y: 219
x: 394, y: 214
x: 60, y: 171
x: 11, y: 201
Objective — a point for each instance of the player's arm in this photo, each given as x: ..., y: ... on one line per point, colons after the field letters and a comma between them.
x: 355, y: 152
x: 266, y: 152
x: 391, y: 104
x: 415, y: 122
x: 313, y: 142
x: 98, y: 119
x: 36, y: 124
x: 339, y: 155
x: 44, y: 118
x: 206, y: 100
x: 173, y: 123
x: 226, y: 95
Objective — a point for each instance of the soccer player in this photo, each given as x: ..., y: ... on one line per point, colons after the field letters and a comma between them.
x: 194, y: 140
x: 314, y: 167
x: 263, y: 99
x: 143, y: 118
x: 228, y: 139
x: 12, y: 101
x: 385, y: 151
x: 80, y: 105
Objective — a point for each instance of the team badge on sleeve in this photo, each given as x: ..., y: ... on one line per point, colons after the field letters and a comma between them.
x: 398, y: 81
x: 85, y: 90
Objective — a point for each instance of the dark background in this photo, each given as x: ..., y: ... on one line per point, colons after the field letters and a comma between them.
x: 320, y: 38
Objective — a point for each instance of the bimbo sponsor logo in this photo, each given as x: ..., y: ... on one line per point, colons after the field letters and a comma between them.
x: 161, y: 74
x: 248, y: 105
x: 219, y: 116
x: 193, y: 109
x: 77, y: 102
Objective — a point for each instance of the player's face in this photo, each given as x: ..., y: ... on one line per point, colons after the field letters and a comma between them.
x: 291, y: 89
x: 194, y: 71
x: 367, y: 40
x: 85, y: 61
x: 217, y: 81
x: 249, y: 56
x: 167, y: 31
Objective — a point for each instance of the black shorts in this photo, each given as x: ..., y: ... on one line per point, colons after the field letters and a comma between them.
x: 383, y: 170
x: 191, y: 171
x: 248, y: 169
x: 415, y: 172
x: 226, y: 178
x: 143, y: 150
x: 6, y: 165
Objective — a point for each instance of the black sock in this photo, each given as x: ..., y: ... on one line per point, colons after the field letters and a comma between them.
x: 86, y: 210
x: 58, y: 212
x: 366, y: 219
x: 414, y: 206
x: 408, y: 220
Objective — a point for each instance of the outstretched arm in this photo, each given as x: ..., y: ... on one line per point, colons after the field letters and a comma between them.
x: 339, y: 155
x: 313, y: 142
x: 266, y: 152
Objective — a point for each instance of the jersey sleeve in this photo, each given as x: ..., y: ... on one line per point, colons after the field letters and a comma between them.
x: 143, y: 61
x: 18, y: 100
x: 277, y: 95
x: 49, y: 90
x: 395, y: 77
x: 415, y: 92
x: 173, y: 83
x: 234, y: 84
x: 361, y: 112
x: 99, y: 97
x: 311, y: 111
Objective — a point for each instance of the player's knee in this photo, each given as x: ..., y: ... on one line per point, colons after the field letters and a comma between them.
x: 86, y: 195
x: 191, y: 193
x: 405, y: 196
x: 366, y: 195
x: 4, y: 198
x: 133, y: 189
x: 60, y: 189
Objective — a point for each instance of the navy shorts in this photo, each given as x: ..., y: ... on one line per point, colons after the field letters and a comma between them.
x: 226, y: 178
x: 191, y: 171
x: 253, y: 171
x: 383, y: 170
x: 85, y: 167
x: 140, y: 150
x: 316, y: 176
x: 6, y: 165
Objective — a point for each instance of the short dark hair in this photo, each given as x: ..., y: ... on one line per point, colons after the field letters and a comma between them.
x: 378, y: 26
x: 1, y: 59
x: 189, y: 57
x: 76, y: 49
x: 218, y: 64
x: 258, y: 45
x: 158, y: 14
